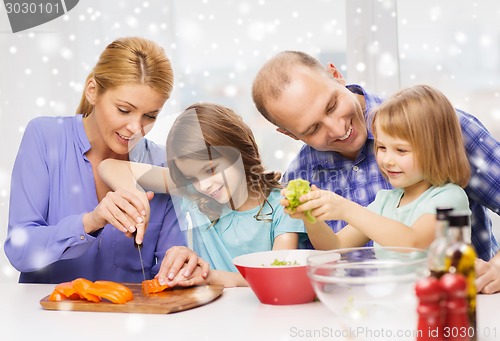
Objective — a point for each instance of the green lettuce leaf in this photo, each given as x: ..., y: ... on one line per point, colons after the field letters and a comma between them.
x: 295, y: 189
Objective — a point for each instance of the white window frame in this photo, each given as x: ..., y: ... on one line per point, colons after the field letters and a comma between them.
x: 372, y: 37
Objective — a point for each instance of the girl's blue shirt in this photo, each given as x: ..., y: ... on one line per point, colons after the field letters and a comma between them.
x: 237, y: 233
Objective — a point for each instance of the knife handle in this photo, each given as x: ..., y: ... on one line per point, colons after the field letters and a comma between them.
x: 134, y: 234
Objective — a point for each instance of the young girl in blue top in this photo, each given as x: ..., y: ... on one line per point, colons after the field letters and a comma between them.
x: 419, y: 149
x: 215, y: 172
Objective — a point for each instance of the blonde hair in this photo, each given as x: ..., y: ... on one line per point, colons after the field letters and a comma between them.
x: 223, y: 134
x: 130, y: 60
x: 275, y: 76
x: 425, y: 118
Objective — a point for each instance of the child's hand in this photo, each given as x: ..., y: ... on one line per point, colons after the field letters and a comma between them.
x: 324, y: 205
x: 285, y: 203
x: 292, y: 193
x: 305, y: 215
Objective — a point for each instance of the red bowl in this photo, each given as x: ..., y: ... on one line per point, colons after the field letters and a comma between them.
x: 278, y: 284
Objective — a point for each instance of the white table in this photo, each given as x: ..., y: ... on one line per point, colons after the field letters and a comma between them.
x: 236, y: 315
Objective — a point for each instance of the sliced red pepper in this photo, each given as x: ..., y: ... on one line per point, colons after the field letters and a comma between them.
x: 64, y: 291
x: 152, y: 286
x: 112, y: 291
x: 81, y: 286
x: 57, y: 296
x: 67, y: 289
x: 119, y: 287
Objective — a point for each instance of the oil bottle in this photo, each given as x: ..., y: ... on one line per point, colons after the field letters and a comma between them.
x: 460, y: 258
x: 437, y: 249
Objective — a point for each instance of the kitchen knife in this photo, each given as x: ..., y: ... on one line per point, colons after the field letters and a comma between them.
x: 139, y: 248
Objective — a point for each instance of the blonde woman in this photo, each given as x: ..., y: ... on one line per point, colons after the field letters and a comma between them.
x: 64, y: 222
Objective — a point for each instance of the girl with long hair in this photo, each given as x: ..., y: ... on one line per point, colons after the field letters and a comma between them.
x: 216, y: 176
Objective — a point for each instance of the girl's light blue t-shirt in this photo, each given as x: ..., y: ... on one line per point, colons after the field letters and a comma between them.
x: 386, y: 203
x: 237, y: 233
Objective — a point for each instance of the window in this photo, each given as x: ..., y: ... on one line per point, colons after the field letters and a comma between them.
x: 220, y: 46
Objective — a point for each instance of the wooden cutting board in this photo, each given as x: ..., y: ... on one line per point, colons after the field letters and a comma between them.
x: 168, y: 301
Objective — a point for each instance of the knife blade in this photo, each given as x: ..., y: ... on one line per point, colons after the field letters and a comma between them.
x: 139, y: 247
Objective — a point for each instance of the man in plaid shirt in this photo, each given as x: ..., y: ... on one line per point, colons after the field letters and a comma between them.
x: 309, y: 103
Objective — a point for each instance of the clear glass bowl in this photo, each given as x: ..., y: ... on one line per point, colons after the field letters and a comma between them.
x: 369, y: 286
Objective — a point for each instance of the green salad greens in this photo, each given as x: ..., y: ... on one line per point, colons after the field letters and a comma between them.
x: 295, y: 189
x: 278, y: 262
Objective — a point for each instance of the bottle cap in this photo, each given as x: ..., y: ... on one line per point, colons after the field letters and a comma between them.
x: 457, y: 219
x: 442, y: 212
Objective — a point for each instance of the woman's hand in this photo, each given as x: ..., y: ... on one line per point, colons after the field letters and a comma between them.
x: 182, y: 266
x: 126, y: 211
x: 487, y: 276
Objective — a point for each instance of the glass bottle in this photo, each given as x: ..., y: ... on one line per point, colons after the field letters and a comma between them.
x: 460, y: 258
x: 437, y: 249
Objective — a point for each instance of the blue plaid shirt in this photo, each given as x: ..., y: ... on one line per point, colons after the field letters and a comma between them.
x: 360, y: 180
